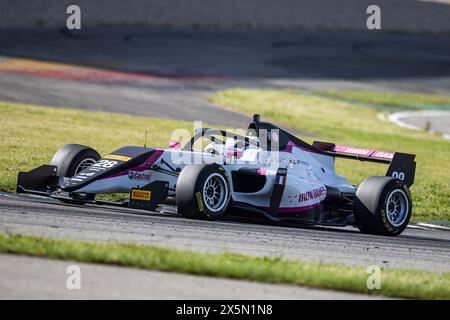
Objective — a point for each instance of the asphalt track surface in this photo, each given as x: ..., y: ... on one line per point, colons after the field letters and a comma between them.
x: 414, y: 248
x: 169, y: 74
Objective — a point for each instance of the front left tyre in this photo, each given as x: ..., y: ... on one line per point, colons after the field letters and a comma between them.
x: 71, y: 159
x: 203, y: 191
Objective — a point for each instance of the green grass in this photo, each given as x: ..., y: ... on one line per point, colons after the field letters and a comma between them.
x: 353, y: 124
x: 30, y: 135
x: 390, y: 101
x: 394, y: 282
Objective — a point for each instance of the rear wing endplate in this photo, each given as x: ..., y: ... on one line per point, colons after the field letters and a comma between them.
x: 401, y: 165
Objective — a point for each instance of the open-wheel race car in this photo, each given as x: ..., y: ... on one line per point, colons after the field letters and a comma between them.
x: 267, y: 171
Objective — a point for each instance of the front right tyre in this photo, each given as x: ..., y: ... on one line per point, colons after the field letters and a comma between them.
x: 203, y: 191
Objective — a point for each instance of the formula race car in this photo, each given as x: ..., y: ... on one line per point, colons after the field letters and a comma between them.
x: 266, y: 170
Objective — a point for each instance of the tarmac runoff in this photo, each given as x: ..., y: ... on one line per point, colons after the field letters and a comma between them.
x: 437, y: 122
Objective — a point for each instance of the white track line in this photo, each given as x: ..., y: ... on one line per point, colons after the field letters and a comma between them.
x: 433, y: 226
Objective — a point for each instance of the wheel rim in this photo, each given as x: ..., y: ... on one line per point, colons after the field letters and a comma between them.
x: 397, y: 207
x: 215, y: 192
x: 86, y: 163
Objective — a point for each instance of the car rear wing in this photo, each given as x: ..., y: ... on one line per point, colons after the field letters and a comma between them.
x: 401, y: 165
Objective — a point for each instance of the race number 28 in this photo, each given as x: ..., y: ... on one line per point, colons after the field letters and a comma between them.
x: 105, y: 164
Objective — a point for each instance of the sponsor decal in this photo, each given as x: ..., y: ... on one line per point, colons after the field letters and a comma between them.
x: 117, y: 157
x: 364, y: 152
x: 355, y: 151
x: 296, y: 162
x: 200, y: 202
x: 139, y: 175
x: 143, y: 195
x: 382, y: 154
x: 385, y: 220
x: 313, y: 194
x: 281, y: 180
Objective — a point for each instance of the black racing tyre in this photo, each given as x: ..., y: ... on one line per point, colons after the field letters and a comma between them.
x: 382, y: 206
x: 203, y: 191
x: 73, y: 158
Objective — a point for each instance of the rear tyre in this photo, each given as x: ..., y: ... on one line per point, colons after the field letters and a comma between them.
x: 73, y: 158
x: 382, y: 206
x: 203, y: 191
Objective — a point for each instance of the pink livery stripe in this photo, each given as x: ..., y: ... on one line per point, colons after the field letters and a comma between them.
x: 144, y: 166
